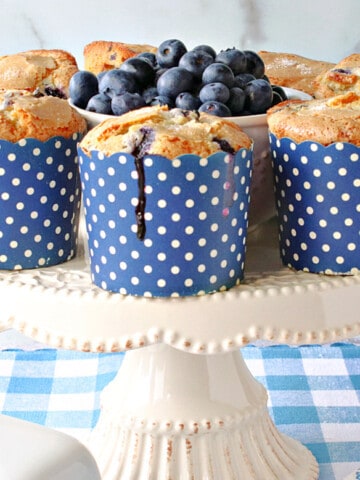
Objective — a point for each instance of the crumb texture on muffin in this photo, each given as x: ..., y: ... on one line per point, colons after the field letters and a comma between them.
x: 325, y: 121
x: 341, y: 78
x: 293, y: 71
x: 170, y: 133
x: 24, y: 115
x: 101, y: 55
x: 49, y: 71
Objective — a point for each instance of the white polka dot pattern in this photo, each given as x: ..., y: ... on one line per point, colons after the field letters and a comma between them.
x: 39, y: 202
x: 318, y: 201
x: 195, y: 215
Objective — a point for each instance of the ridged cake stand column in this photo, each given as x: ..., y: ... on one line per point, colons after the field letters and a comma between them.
x: 184, y: 405
x: 175, y: 415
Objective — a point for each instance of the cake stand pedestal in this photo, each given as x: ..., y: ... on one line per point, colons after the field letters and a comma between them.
x: 176, y: 415
x: 183, y: 404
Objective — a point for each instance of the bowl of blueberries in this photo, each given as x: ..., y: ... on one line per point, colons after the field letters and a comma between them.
x: 230, y: 83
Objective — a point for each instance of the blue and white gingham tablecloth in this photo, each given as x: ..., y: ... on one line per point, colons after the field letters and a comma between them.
x: 314, y: 394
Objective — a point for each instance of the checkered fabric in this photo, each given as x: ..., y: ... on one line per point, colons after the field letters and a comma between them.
x: 314, y: 394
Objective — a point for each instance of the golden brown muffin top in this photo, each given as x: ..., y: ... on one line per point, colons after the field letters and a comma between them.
x: 343, y: 77
x: 170, y: 133
x: 293, y: 71
x: 38, y: 69
x: 24, y: 115
x: 101, y: 55
x: 325, y: 121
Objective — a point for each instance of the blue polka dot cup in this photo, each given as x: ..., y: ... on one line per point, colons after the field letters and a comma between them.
x: 317, y: 191
x: 40, y: 197
x: 191, y: 239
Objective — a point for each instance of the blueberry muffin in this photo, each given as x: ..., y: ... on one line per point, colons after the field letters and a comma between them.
x: 27, y: 115
x: 293, y: 71
x: 341, y: 78
x: 166, y: 198
x: 39, y: 180
x: 168, y: 132
x: 336, y: 119
x: 102, y: 55
x: 45, y: 71
x: 316, y: 159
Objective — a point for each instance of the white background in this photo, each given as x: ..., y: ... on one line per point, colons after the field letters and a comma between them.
x: 321, y: 29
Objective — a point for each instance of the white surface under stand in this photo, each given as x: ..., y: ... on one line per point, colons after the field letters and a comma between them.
x: 185, y: 406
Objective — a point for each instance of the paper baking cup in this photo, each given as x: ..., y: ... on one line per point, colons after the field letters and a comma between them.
x: 39, y: 202
x: 196, y: 218
x: 317, y: 193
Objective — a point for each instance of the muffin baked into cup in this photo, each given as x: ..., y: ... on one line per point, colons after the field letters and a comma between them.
x: 43, y: 71
x: 166, y: 197
x: 39, y: 180
x: 316, y: 159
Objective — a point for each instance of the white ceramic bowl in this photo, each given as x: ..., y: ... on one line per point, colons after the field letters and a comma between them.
x: 262, y: 204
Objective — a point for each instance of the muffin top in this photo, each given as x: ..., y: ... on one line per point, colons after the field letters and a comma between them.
x: 294, y: 71
x: 170, y: 133
x: 101, y: 55
x: 48, y: 71
x: 24, y: 115
x: 343, y: 77
x: 326, y: 121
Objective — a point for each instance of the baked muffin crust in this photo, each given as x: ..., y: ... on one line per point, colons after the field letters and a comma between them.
x: 293, y: 71
x: 343, y: 77
x: 102, y: 55
x: 170, y: 133
x: 325, y: 121
x: 48, y: 71
x: 24, y: 115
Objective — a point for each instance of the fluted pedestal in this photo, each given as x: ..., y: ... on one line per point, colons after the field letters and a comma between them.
x: 180, y: 416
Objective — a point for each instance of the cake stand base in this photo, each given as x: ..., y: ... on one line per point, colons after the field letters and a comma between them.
x: 181, y: 416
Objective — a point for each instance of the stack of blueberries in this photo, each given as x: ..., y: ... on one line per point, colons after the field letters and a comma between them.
x: 229, y: 83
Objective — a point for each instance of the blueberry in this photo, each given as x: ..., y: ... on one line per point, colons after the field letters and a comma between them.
x: 259, y: 96
x: 236, y: 102
x: 149, y: 94
x: 255, y: 64
x: 127, y: 101
x: 143, y: 72
x: 54, y: 92
x: 149, y: 57
x: 116, y: 81
x: 187, y: 101
x: 205, y: 48
x: 276, y: 98
x: 159, y: 72
x: 342, y: 70
x: 169, y: 52
x: 215, y: 108
x: 218, y: 72
x: 83, y: 85
x: 214, y: 91
x: 280, y: 91
x: 234, y: 58
x: 196, y: 62
x: 163, y: 100
x: 242, y: 79
x: 101, y: 74
x: 174, y: 81
x: 99, y: 103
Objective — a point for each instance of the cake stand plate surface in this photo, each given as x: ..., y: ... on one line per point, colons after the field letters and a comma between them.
x: 61, y: 307
x: 185, y: 406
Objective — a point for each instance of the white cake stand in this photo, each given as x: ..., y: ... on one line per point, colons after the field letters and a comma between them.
x: 184, y: 405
